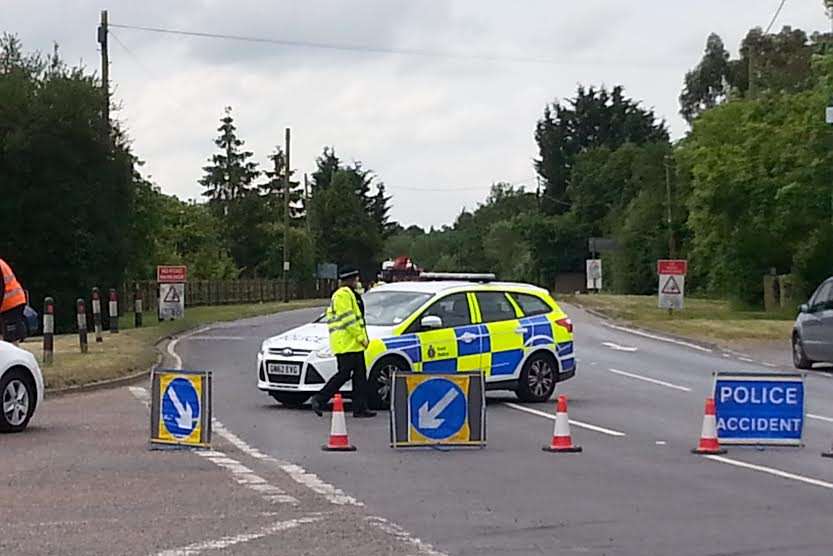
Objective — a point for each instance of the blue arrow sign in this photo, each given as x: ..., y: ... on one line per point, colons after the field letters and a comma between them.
x: 180, y: 408
x: 437, y: 408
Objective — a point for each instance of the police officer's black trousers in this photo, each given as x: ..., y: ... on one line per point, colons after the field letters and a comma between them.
x: 350, y: 365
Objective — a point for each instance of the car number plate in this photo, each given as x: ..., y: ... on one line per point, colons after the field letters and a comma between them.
x: 288, y: 369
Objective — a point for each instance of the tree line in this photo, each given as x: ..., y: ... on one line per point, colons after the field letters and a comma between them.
x: 77, y: 211
x: 750, y: 185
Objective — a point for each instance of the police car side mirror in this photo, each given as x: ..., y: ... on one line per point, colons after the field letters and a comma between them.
x: 803, y: 308
x: 431, y: 322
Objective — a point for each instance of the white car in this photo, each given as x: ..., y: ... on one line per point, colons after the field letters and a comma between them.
x: 516, y: 333
x: 21, y: 387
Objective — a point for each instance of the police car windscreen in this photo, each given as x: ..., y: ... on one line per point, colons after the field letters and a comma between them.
x: 391, y: 308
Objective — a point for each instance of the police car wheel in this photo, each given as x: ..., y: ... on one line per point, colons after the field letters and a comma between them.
x: 538, y: 379
x: 800, y: 359
x: 17, y: 401
x: 379, y: 381
x: 293, y: 400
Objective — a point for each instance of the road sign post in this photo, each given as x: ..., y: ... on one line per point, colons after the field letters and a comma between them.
x: 594, y: 274
x: 759, y: 408
x: 438, y: 410
x: 180, y: 412
x: 171, y: 280
x: 672, y: 283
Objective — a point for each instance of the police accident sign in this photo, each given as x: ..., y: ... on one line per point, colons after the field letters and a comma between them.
x: 760, y: 408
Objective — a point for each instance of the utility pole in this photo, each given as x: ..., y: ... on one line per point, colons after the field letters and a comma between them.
x: 105, y: 69
x: 286, y: 222
x: 668, y: 160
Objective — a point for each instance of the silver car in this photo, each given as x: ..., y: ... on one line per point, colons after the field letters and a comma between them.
x: 813, y: 332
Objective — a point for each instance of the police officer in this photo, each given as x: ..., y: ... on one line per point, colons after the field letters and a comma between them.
x: 12, y: 304
x: 348, y: 340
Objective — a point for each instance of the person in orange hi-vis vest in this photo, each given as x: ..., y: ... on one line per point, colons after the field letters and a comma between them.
x: 12, y: 305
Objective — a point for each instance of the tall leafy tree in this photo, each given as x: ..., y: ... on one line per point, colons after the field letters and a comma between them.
x: 594, y: 118
x: 708, y: 84
x: 231, y: 172
x: 274, y: 191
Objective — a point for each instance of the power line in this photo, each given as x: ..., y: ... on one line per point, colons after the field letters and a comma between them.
x: 775, y: 16
x: 366, y: 49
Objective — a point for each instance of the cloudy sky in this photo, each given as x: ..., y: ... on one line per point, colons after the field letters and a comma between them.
x: 438, y: 127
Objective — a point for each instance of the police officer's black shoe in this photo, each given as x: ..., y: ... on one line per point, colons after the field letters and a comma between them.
x: 317, y: 406
x: 366, y: 414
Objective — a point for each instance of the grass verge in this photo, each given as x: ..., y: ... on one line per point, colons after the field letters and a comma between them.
x: 708, y: 320
x: 133, y: 349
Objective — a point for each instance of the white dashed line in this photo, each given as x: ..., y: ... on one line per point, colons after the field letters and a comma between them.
x: 395, y: 530
x: 772, y: 471
x: 656, y: 337
x: 227, y: 542
x: 651, y: 380
x: 579, y: 424
x: 820, y: 417
x: 617, y: 347
x: 746, y: 359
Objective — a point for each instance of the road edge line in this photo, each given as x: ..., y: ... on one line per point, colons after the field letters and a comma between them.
x: 650, y: 380
x: 771, y: 471
x: 579, y: 424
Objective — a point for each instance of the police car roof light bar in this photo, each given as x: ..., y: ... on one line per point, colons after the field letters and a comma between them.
x: 463, y: 276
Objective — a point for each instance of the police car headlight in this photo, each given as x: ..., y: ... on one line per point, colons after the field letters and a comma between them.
x: 324, y: 353
x: 263, y: 347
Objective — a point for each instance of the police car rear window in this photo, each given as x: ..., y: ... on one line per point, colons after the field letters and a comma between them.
x: 494, y: 306
x: 530, y: 304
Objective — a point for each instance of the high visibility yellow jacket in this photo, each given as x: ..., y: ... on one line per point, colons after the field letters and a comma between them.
x: 13, y: 294
x: 346, y: 323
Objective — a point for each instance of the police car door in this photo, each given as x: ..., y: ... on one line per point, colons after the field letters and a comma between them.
x: 440, y: 352
x: 506, y: 335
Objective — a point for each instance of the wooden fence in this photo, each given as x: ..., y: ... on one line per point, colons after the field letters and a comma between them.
x: 225, y: 292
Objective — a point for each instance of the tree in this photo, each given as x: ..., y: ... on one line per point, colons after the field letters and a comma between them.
x: 379, y: 208
x: 326, y: 166
x: 273, y: 189
x: 594, y: 118
x: 231, y: 172
x: 68, y: 192
x: 707, y: 85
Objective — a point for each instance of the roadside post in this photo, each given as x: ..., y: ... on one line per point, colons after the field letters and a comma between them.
x: 180, y: 411
x: 96, y: 297
x: 760, y: 408
x: 594, y: 274
x: 672, y: 274
x: 48, y: 331
x: 171, y: 280
x: 137, y: 306
x: 114, y: 311
x: 438, y: 410
x: 81, y: 319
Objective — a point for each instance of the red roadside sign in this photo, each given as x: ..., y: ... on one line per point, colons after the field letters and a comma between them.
x: 674, y: 267
x: 171, y: 274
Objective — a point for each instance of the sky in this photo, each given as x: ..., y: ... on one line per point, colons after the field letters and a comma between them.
x: 449, y: 112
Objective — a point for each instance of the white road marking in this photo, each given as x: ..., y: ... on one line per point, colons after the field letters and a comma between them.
x: 220, y: 338
x: 226, y: 542
x: 579, y: 424
x: 772, y: 471
x: 726, y: 355
x: 660, y: 442
x: 396, y: 531
x: 656, y: 337
x: 303, y: 477
x: 651, y: 380
x: 820, y: 417
x: 617, y: 347
x: 770, y: 364
x: 746, y: 359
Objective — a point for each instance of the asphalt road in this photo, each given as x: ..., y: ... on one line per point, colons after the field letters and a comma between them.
x: 635, y: 490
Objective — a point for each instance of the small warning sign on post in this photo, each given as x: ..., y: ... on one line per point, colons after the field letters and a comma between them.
x: 672, y: 283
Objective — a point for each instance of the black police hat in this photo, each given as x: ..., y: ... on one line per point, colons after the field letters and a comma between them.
x: 347, y: 273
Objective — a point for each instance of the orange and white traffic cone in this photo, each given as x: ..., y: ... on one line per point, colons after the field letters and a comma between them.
x: 338, y: 441
x: 562, y: 441
x: 708, y: 436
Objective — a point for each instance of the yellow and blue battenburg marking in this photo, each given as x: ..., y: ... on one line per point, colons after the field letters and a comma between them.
x: 497, y: 347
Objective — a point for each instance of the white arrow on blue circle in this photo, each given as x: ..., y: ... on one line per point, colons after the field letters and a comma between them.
x: 428, y: 418
x: 185, y: 415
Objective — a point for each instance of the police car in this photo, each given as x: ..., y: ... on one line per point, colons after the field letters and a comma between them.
x: 516, y: 333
